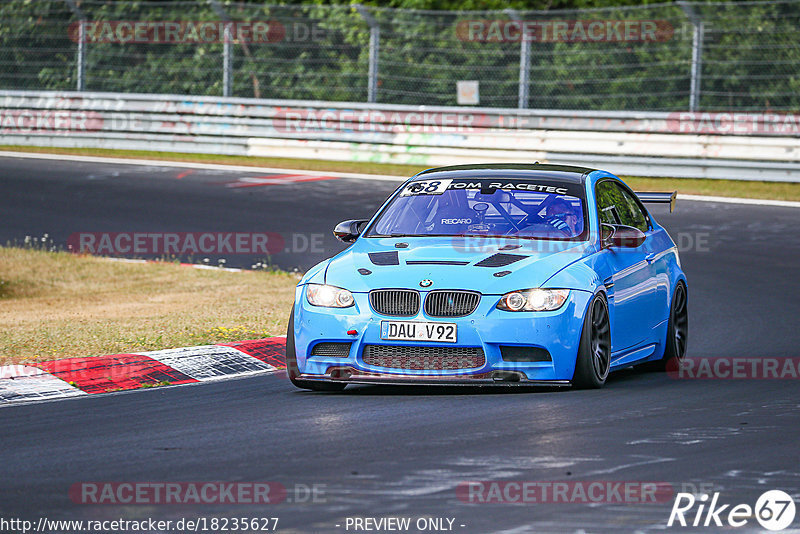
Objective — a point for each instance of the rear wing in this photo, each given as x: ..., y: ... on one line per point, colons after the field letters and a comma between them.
x: 659, y: 198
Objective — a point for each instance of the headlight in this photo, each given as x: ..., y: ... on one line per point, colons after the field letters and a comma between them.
x: 533, y: 300
x: 328, y: 296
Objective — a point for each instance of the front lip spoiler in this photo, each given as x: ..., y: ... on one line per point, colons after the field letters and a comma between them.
x: 433, y: 380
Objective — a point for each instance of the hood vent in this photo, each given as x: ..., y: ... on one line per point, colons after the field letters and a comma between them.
x: 384, y: 258
x: 436, y: 262
x: 500, y: 260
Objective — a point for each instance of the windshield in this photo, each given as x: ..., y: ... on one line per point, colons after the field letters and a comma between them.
x: 532, y: 209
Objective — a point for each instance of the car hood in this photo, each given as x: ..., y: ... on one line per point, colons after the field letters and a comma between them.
x: 451, y: 263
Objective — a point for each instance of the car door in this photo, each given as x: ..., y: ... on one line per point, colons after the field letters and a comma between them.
x: 630, y: 273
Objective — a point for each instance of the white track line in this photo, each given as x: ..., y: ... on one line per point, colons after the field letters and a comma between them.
x: 376, y: 177
x: 182, y: 264
x: 738, y: 200
x: 195, y: 165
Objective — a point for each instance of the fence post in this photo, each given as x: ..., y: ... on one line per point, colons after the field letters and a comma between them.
x: 374, y: 49
x: 81, y: 59
x: 227, y: 62
x: 524, y: 61
x: 227, y: 49
x: 697, y: 54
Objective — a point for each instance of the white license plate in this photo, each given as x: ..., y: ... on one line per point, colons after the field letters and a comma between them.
x: 418, y: 331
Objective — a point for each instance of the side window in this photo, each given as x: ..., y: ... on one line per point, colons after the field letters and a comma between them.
x: 633, y: 212
x: 609, y: 200
x: 617, y: 206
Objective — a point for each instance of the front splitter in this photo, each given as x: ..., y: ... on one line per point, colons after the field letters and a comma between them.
x: 461, y: 380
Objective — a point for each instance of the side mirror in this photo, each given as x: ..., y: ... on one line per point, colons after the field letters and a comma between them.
x: 619, y: 235
x: 348, y: 231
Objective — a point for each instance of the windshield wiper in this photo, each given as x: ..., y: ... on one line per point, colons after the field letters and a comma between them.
x: 411, y: 235
x: 393, y: 235
x: 493, y: 236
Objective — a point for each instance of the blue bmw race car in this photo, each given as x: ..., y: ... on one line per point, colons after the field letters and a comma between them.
x: 493, y: 274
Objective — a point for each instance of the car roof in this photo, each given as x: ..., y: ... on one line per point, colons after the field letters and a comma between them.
x: 566, y: 173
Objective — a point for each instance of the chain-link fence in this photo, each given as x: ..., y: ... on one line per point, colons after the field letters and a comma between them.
x: 706, y: 56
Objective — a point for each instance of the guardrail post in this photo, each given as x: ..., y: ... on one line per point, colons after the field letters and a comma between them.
x: 524, y: 61
x: 227, y: 49
x: 81, y: 56
x: 374, y: 49
x: 697, y: 54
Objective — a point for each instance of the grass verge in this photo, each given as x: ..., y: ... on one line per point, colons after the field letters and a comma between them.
x: 57, y: 305
x: 723, y: 188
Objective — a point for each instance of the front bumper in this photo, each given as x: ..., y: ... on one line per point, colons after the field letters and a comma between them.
x: 558, y: 332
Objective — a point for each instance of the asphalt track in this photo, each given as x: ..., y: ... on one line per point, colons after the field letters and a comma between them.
x: 379, y: 451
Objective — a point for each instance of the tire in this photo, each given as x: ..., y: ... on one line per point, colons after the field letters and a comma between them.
x: 292, y: 370
x: 677, y: 332
x: 594, y: 350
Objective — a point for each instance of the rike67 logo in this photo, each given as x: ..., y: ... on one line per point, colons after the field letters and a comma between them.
x: 774, y: 510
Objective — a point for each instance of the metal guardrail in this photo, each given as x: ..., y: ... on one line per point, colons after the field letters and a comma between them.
x: 680, y: 144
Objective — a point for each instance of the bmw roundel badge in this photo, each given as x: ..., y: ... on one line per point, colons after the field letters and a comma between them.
x: 426, y: 283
